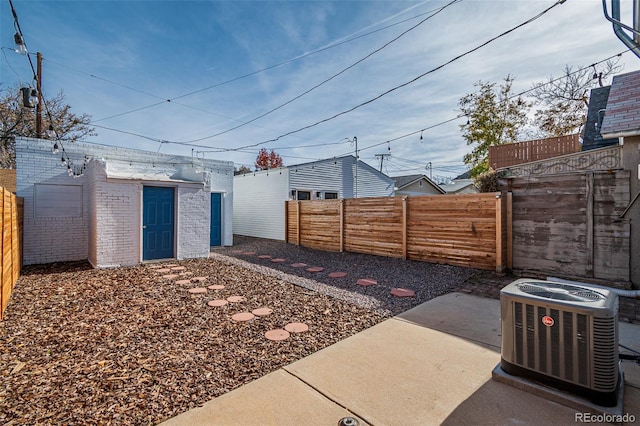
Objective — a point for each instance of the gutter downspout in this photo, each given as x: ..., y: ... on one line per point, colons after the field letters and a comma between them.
x: 618, y: 26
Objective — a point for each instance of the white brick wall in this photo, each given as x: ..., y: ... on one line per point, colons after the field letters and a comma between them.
x: 109, y: 231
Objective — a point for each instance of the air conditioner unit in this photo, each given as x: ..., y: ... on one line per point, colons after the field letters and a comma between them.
x: 563, y: 335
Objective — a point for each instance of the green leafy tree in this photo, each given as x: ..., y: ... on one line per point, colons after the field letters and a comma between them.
x: 19, y: 121
x: 563, y: 102
x: 495, y: 117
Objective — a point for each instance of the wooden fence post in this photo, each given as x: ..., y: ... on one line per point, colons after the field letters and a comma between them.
x: 286, y: 221
x: 589, y: 222
x: 509, y: 230
x: 4, y: 292
x: 298, y: 222
x: 341, y: 225
x: 499, y: 238
x: 404, y: 228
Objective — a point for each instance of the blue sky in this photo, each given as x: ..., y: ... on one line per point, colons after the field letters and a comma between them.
x: 110, y: 58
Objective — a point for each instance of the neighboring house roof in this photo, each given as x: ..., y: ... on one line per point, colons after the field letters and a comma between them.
x: 457, y: 185
x: 622, y: 116
x: 404, y: 181
x: 591, y: 136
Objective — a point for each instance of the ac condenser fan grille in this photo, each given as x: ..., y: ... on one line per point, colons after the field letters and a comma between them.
x: 556, y: 291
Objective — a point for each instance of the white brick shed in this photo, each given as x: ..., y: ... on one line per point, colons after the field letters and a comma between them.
x: 127, y: 207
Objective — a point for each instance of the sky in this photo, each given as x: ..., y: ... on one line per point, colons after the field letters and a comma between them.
x: 222, y: 79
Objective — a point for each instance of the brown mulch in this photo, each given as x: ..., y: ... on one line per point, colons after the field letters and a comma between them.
x: 126, y: 346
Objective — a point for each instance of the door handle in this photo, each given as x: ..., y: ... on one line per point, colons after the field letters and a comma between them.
x: 144, y: 226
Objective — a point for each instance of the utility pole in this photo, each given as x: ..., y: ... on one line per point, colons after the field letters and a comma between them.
x: 355, y: 141
x: 382, y: 156
x: 39, y: 88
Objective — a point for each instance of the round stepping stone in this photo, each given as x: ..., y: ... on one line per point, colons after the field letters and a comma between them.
x: 183, y: 282
x: 277, y: 334
x: 296, y: 327
x: 243, y: 316
x: 197, y: 290
x: 178, y: 268
x: 403, y: 292
x: 264, y: 256
x: 315, y: 269
x: 170, y: 265
x: 299, y: 265
x: 337, y: 274
x: 237, y: 251
x: 163, y: 270
x: 186, y: 273
x: 170, y: 276
x: 260, y: 312
x: 236, y: 299
x: 216, y: 287
x: 154, y: 266
x: 366, y: 282
x: 250, y: 253
x: 217, y: 302
x: 198, y: 279
x: 278, y: 260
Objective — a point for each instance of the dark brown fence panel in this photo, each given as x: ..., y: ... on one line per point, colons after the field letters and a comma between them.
x: 535, y: 150
x: 11, y: 228
x: 570, y: 224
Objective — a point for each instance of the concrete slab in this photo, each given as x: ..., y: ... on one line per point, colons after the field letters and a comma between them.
x: 471, y: 317
x: 399, y: 373
x: 276, y: 399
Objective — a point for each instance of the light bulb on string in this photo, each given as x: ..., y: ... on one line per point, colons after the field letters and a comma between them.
x: 55, y: 148
x: 421, y: 138
x: 62, y: 160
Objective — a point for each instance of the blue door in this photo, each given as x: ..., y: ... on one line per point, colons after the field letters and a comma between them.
x: 216, y: 220
x: 157, y: 222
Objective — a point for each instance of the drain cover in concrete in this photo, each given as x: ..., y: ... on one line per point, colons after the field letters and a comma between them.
x: 278, y: 260
x: 277, y: 334
x: 296, y: 327
x: 217, y: 302
x: 183, y: 282
x: 261, y: 311
x: 337, y: 274
x: 366, y: 282
x: 243, y: 316
x: 216, y: 287
x: 315, y: 269
x: 197, y: 290
x: 299, y: 265
x: 403, y: 292
x: 236, y: 299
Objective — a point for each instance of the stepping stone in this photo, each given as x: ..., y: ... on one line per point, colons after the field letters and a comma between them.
x: 163, y: 270
x: 337, y: 274
x: 170, y: 276
x: 198, y: 279
x: 236, y: 299
x: 249, y: 253
x: 315, y: 269
x: 154, y: 266
x: 237, y: 251
x: 264, y: 256
x: 170, y: 265
x: 216, y: 287
x: 186, y: 273
x: 183, y: 282
x: 217, y: 302
x: 299, y: 265
x: 197, y: 290
x: 296, y: 327
x: 178, y: 268
x: 364, y: 282
x: 243, y: 316
x: 278, y: 260
x: 277, y: 334
x: 260, y: 312
x: 403, y: 292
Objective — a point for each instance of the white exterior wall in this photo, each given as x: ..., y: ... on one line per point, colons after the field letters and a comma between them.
x: 108, y: 230
x: 259, y: 204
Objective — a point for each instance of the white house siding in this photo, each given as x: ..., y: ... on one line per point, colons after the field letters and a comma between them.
x: 259, y: 204
x: 107, y: 229
x: 415, y: 189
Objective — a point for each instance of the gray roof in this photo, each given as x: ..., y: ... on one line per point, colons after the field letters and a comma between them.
x: 406, y: 180
x: 591, y: 137
x: 622, y: 117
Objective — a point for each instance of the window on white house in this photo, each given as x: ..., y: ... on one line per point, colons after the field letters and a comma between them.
x: 57, y: 200
x: 330, y: 195
x: 304, y: 195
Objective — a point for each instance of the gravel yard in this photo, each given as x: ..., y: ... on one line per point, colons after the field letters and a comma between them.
x: 134, y: 346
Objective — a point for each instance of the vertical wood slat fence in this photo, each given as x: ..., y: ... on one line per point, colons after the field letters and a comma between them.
x: 11, y: 213
x: 470, y: 230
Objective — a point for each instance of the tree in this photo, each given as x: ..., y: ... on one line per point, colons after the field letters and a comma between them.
x: 19, y: 121
x: 495, y: 117
x: 564, y: 101
x: 268, y: 160
x: 241, y: 170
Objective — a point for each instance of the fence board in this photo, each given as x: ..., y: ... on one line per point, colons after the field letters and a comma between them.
x: 11, y: 213
x: 451, y: 229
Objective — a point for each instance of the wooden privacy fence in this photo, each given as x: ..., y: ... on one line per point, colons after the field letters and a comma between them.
x: 511, y: 154
x: 467, y: 230
x: 11, y: 212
